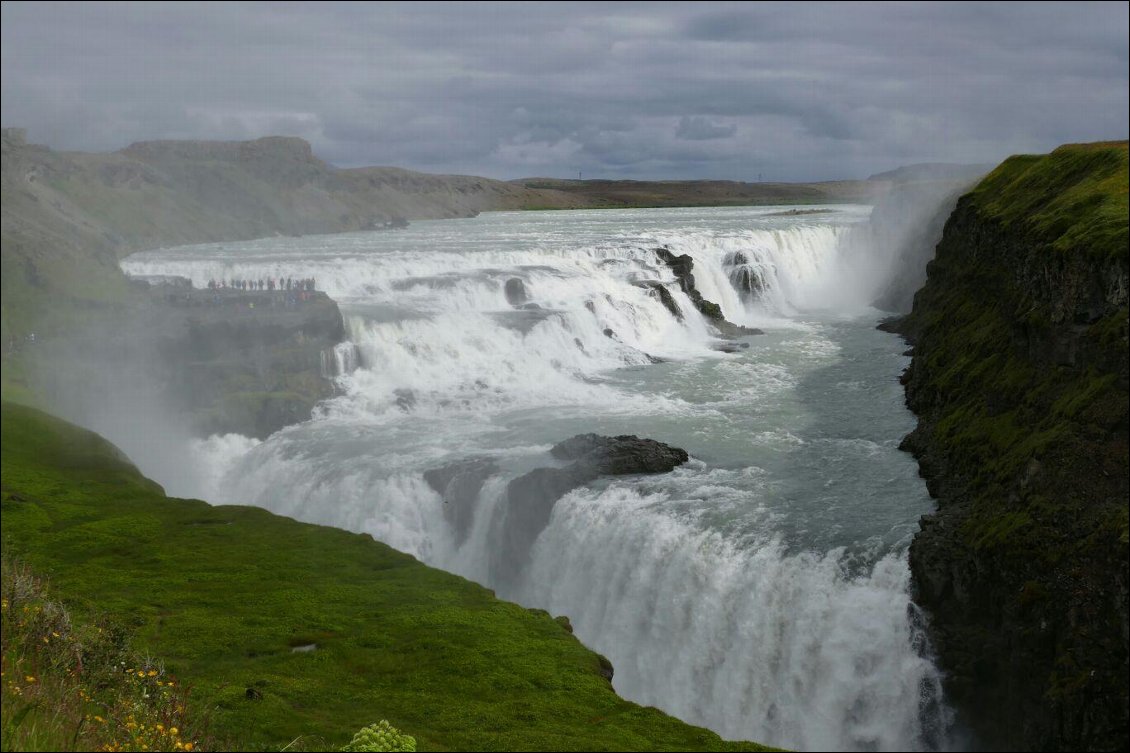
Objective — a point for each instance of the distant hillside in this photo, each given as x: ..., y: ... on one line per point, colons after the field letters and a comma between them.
x: 67, y: 217
x: 927, y: 171
x: 699, y: 193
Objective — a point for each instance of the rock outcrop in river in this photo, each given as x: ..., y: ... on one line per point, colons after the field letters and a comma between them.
x: 530, y: 498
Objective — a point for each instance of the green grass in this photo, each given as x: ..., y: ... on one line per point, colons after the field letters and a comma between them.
x: 75, y: 685
x: 223, y: 595
x: 1074, y: 198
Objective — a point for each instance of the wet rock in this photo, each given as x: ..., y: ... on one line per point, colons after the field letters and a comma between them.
x: 530, y: 498
x: 606, y: 669
x: 681, y: 266
x: 621, y: 455
x: 660, y: 291
x: 459, y: 485
x: 515, y: 291
x: 747, y: 281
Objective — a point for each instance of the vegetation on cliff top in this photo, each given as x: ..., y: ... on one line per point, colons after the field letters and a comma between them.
x: 225, y: 596
x: 1075, y: 197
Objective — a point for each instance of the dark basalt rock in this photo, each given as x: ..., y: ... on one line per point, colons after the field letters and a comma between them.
x: 515, y: 291
x: 621, y: 455
x: 681, y: 266
x: 745, y: 278
x: 660, y: 291
x: 1023, y: 568
x: 606, y: 669
x: 459, y: 485
x: 530, y: 497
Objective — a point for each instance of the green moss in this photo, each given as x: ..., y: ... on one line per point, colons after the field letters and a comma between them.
x: 1075, y: 197
x: 996, y: 530
x: 223, y: 595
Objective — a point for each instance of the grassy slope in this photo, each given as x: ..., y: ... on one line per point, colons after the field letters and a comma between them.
x: 1074, y: 199
x: 222, y: 594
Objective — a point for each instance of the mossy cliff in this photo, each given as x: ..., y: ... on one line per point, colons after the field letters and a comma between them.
x: 1019, y: 379
x: 296, y: 635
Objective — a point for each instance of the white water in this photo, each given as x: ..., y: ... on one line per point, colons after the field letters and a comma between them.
x: 760, y: 590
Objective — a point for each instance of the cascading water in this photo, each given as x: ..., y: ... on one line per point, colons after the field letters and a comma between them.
x: 761, y: 589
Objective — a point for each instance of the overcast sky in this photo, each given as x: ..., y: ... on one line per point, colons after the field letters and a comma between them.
x: 797, y: 91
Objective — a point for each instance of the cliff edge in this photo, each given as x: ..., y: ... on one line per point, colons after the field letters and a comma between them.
x: 1019, y: 380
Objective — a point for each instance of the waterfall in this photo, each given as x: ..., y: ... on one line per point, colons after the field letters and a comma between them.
x: 709, y: 588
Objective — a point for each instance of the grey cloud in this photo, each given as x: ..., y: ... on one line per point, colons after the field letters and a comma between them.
x: 695, y: 128
x: 727, y: 90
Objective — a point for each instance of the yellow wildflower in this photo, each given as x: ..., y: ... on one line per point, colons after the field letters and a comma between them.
x: 29, y: 678
x: 152, y: 673
x: 188, y: 746
x: 173, y: 730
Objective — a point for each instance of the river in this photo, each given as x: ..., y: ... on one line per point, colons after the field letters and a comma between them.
x: 761, y: 589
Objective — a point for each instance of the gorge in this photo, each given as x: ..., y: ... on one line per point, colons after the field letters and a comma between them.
x: 762, y: 588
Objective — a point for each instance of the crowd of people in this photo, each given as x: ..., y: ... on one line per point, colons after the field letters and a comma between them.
x: 268, y: 283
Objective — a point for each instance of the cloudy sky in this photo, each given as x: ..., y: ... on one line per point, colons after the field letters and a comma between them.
x: 796, y: 91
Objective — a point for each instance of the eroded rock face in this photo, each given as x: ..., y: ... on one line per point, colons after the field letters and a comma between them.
x: 1019, y: 379
x: 217, y: 361
x: 660, y: 291
x: 459, y: 485
x: 530, y: 498
x: 681, y: 266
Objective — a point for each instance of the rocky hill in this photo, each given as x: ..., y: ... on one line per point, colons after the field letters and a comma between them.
x: 1019, y: 378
